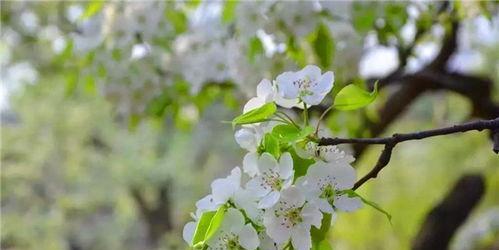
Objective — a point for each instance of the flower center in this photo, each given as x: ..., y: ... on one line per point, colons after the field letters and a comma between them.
x: 272, y: 179
x: 230, y: 241
x: 304, y: 84
x: 291, y: 216
x: 328, y: 193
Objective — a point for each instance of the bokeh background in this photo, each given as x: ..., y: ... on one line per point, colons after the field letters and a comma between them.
x: 111, y: 112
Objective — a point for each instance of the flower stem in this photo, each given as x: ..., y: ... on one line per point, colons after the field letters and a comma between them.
x: 320, y: 119
x: 305, y: 114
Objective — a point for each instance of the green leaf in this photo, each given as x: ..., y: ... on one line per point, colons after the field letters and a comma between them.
x: 177, y: 18
x: 352, y: 194
x: 202, y: 227
x: 319, y: 234
x: 256, y: 115
x: 255, y: 48
x: 290, y: 133
x: 300, y: 165
x: 322, y: 245
x: 323, y: 45
x: 296, y: 53
x: 271, y: 145
x: 92, y: 8
x: 229, y: 11
x: 353, y: 97
x: 215, y: 223
x: 363, y: 16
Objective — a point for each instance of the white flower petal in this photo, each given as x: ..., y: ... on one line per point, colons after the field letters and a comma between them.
x: 256, y: 186
x: 233, y: 221
x: 324, y: 205
x: 269, y: 200
x: 293, y: 196
x: 265, y: 90
x: 325, y: 83
x: 345, y: 176
x: 274, y: 229
x: 285, y: 85
x: 288, y: 103
x: 246, y: 138
x: 248, y: 237
x: 207, y: 203
x: 311, y: 215
x: 313, y: 99
x: 188, y: 232
x: 253, y: 103
x: 250, y: 164
x: 266, y: 162
x: 247, y: 200
x: 301, y: 239
x: 223, y: 189
x: 311, y: 71
x: 286, y: 165
x: 347, y: 204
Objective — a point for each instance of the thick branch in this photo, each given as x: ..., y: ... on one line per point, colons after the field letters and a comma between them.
x: 391, y: 142
x: 445, y: 218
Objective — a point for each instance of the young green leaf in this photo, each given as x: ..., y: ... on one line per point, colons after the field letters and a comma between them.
x: 256, y: 115
x: 322, y: 245
x: 255, y: 48
x: 271, y: 145
x: 352, y: 194
x: 323, y: 45
x: 300, y: 165
x: 319, y: 234
x: 229, y: 11
x: 215, y: 223
x: 290, y: 133
x: 353, y: 97
x: 92, y: 8
x: 202, y: 227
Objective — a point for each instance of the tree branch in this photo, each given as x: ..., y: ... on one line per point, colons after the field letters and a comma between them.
x: 391, y: 142
x: 446, y: 217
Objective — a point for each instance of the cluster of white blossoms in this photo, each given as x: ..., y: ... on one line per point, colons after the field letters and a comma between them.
x: 287, y: 184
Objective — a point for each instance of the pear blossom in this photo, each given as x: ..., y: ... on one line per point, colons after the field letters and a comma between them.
x: 272, y: 177
x: 248, y: 201
x: 327, y: 153
x: 292, y: 217
x: 264, y: 94
x: 234, y: 234
x: 323, y: 185
x: 250, y: 136
x: 221, y: 191
x: 307, y: 85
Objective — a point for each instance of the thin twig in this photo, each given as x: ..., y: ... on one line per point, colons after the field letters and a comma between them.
x: 391, y: 142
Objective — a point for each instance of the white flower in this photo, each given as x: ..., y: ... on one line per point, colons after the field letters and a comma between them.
x: 250, y: 136
x: 221, y: 191
x: 264, y: 94
x: 323, y: 184
x: 188, y: 232
x: 307, y: 85
x: 328, y: 153
x: 271, y: 178
x: 140, y: 50
x: 234, y: 234
x: 266, y: 243
x: 292, y: 218
x: 248, y: 201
